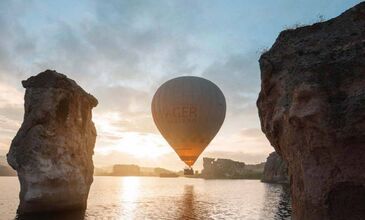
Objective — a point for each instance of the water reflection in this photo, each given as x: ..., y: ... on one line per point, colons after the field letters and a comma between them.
x: 69, y: 215
x: 277, y: 203
x: 192, y: 207
x: 167, y: 198
x: 284, y: 206
x: 188, y: 202
x: 129, y: 196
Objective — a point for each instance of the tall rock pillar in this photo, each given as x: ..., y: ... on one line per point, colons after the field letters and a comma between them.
x: 52, y: 151
x: 312, y: 110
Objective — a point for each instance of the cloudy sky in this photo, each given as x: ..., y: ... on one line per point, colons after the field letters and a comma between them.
x: 121, y: 51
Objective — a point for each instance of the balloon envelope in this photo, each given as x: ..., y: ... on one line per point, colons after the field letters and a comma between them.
x: 188, y: 111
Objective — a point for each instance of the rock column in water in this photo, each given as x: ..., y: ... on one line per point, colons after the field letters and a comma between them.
x: 275, y: 170
x: 312, y: 110
x: 52, y: 151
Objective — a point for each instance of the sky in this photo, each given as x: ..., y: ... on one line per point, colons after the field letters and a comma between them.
x: 122, y: 51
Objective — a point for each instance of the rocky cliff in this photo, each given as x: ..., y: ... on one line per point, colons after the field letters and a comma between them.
x: 312, y: 110
x: 52, y: 151
x: 229, y: 169
x: 276, y: 170
x: 222, y: 168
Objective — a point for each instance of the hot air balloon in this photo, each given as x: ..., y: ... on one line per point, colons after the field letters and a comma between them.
x: 188, y: 111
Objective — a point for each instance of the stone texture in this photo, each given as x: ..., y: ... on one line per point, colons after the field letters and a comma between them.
x: 52, y: 151
x: 222, y: 168
x: 230, y: 169
x: 276, y: 170
x: 312, y: 110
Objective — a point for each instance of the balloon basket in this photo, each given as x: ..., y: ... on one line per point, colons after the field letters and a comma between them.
x: 188, y: 171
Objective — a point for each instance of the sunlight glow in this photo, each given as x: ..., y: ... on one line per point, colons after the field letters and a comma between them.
x: 10, y: 96
x: 112, y: 137
x: 129, y: 196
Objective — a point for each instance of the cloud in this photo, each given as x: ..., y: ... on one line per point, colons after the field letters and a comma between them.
x: 238, y: 73
x: 125, y: 109
x: 122, y: 51
x: 8, y: 129
x: 11, y: 112
x: 251, y: 133
x: 124, y: 99
x: 15, y: 44
x: 116, y: 57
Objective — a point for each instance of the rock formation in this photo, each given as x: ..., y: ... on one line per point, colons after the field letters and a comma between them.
x: 222, y: 168
x: 229, y: 169
x: 126, y: 170
x: 52, y: 151
x: 312, y: 110
x: 275, y: 170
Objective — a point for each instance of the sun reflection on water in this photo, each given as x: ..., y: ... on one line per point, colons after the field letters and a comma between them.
x: 129, y: 196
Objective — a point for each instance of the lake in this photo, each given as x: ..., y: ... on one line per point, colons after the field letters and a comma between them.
x: 167, y: 198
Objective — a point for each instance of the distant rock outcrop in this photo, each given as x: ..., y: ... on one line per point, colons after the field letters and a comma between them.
x: 222, y: 168
x: 126, y: 170
x: 52, y: 151
x: 229, y: 169
x: 276, y: 170
x: 312, y: 110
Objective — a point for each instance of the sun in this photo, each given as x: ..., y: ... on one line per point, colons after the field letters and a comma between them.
x: 143, y: 145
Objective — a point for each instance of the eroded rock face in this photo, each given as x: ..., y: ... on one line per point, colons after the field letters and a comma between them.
x: 312, y: 110
x: 276, y: 170
x: 222, y: 168
x: 52, y: 151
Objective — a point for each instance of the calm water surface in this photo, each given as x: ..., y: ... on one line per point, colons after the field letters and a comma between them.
x: 167, y: 198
